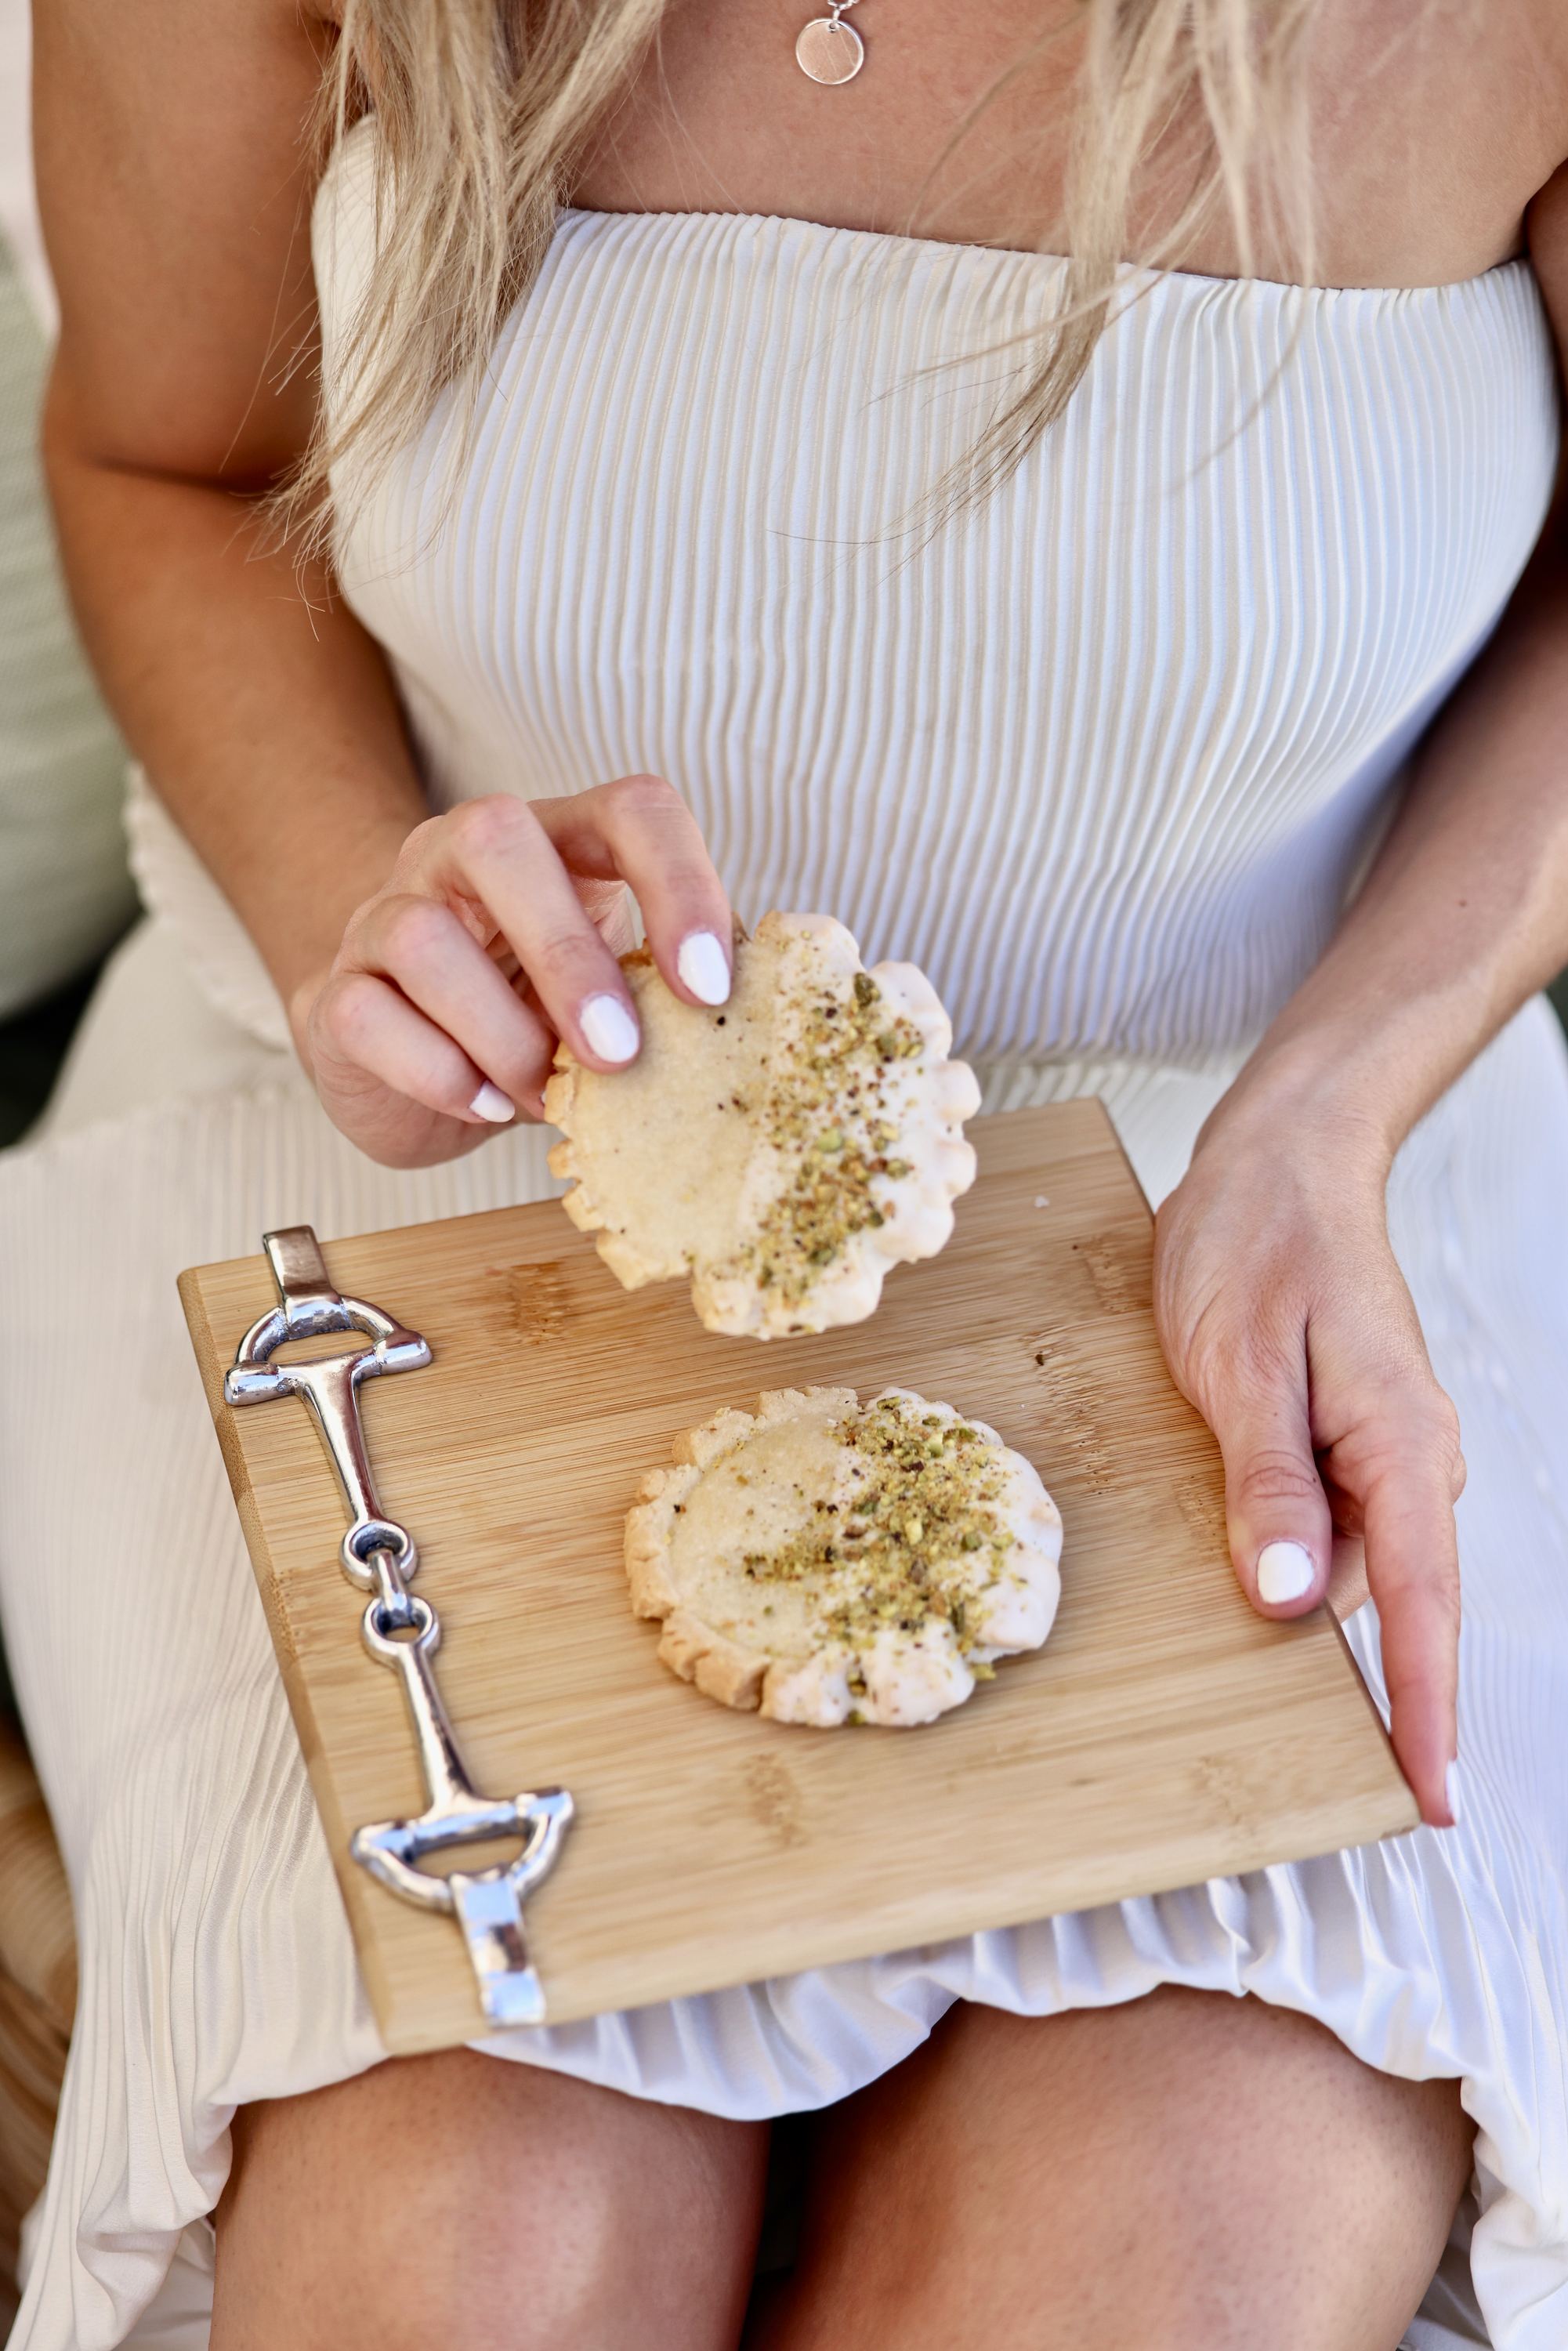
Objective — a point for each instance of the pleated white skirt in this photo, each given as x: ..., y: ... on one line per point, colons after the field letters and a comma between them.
x: 217, y: 1966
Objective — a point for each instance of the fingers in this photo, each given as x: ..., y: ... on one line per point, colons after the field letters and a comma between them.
x: 522, y: 866
x: 1341, y: 1468
x: 1348, y: 1587
x: 496, y: 935
x: 1276, y: 1512
x: 493, y: 1040
x: 385, y: 1076
x: 362, y: 1028
x: 643, y: 831
x: 1402, y: 1470
x: 1287, y: 1322
x: 493, y: 857
x: 1394, y: 1476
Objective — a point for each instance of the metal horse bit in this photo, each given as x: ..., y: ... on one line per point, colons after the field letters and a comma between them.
x: 379, y: 1556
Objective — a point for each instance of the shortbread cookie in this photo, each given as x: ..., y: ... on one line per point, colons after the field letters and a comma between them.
x: 785, y: 1151
x: 830, y: 1564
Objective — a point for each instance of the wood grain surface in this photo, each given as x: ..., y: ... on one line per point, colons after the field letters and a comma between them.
x: 1165, y: 1734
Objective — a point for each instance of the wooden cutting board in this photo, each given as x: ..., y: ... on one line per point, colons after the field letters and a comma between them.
x: 1165, y: 1734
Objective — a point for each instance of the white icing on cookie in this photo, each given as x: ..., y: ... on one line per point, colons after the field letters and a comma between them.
x: 828, y: 1563
x: 785, y: 1150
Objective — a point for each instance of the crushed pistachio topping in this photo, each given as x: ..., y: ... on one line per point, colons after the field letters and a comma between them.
x: 826, y: 1112
x: 919, y: 1540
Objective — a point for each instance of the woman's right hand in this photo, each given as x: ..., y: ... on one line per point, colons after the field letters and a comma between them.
x: 496, y: 935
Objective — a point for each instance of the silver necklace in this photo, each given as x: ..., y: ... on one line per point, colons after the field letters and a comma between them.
x: 829, y: 50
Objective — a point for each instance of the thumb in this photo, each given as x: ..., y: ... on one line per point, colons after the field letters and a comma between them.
x: 1276, y: 1512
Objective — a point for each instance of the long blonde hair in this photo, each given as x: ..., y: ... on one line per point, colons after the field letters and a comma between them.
x: 483, y: 106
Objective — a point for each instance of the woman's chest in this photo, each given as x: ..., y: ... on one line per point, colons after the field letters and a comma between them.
x: 1431, y: 127
x: 686, y: 534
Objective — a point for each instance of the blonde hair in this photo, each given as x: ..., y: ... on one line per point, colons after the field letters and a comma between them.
x: 483, y: 108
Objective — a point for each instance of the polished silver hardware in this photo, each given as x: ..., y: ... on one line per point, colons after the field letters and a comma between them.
x: 487, y: 1903
x: 828, y: 49
x: 401, y: 1630
x: 309, y: 1307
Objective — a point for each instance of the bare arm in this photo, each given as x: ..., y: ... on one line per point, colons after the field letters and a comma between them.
x: 1281, y: 1310
x: 421, y: 959
x: 182, y: 262
x: 1466, y: 912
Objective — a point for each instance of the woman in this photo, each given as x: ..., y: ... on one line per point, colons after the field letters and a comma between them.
x: 756, y: 526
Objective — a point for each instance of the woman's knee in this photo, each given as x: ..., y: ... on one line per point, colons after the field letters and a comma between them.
x: 459, y: 2199
x: 1182, y: 2170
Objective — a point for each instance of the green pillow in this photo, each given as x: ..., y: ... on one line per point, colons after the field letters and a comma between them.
x: 66, y: 893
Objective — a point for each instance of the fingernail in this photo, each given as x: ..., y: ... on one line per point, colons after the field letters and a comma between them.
x: 1452, y: 1790
x: 610, y: 1028
x: 492, y: 1103
x: 703, y: 967
x: 1284, y: 1572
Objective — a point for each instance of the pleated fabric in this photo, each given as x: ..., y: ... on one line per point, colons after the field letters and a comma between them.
x: 1101, y: 758
x: 1104, y: 758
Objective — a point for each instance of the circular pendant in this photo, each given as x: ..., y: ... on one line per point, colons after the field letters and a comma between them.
x: 830, y: 51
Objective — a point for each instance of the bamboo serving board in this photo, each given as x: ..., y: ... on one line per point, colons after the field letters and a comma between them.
x: 1164, y: 1735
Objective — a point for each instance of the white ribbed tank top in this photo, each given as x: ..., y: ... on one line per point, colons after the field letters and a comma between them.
x: 1101, y: 758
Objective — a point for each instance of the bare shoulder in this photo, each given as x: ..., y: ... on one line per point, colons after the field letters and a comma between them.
x: 1437, y: 123
x: 1540, y: 41
x: 174, y: 176
x: 1535, y: 33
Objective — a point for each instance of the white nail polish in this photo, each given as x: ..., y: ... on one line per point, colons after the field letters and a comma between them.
x: 1284, y: 1572
x: 704, y: 968
x: 610, y: 1028
x: 492, y: 1103
x: 1452, y: 1790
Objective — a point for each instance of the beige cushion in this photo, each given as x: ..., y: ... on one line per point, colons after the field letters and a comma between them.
x: 65, y: 888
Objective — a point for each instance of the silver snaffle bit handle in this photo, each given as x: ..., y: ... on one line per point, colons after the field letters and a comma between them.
x: 379, y: 1556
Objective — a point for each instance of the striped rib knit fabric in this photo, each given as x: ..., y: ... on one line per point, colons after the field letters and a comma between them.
x: 1101, y: 757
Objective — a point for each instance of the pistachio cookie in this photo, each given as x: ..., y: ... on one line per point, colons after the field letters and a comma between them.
x: 829, y: 1563
x: 784, y: 1151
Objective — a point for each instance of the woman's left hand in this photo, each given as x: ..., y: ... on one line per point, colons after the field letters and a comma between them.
x: 1286, y: 1321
